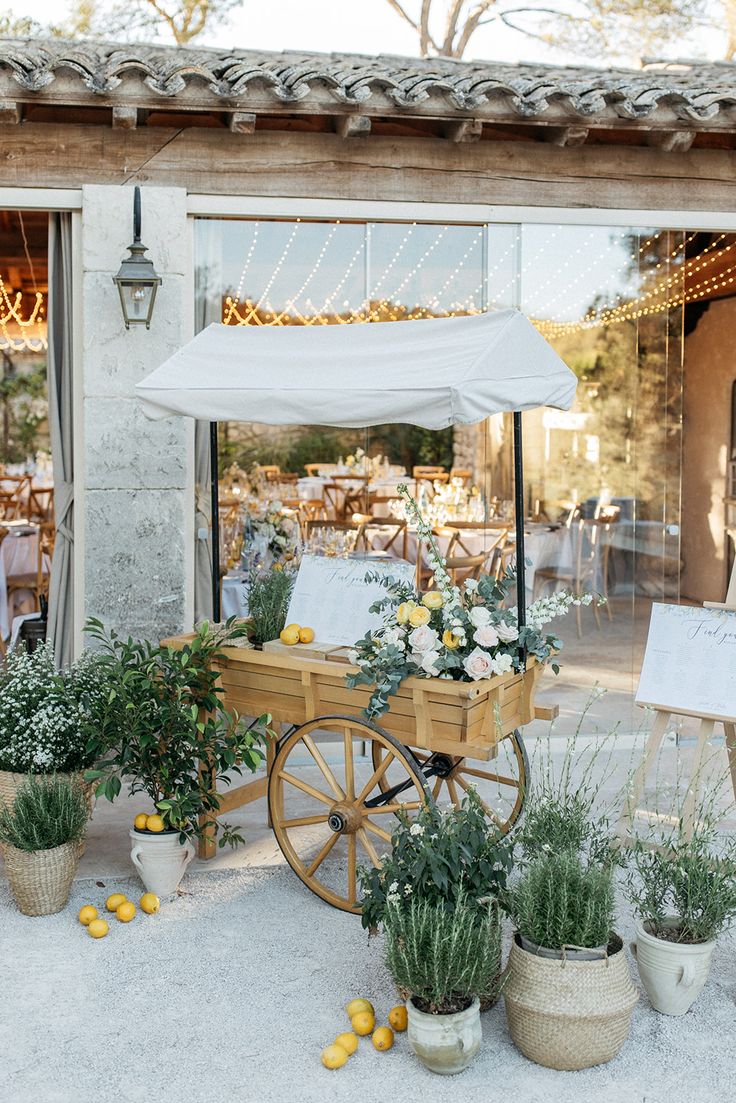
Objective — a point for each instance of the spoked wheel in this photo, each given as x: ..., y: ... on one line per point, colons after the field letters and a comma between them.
x: 331, y: 809
x: 500, y: 783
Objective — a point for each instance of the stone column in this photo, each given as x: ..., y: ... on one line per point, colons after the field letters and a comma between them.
x: 134, y: 489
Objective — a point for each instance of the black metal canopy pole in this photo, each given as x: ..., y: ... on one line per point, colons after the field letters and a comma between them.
x: 215, y: 514
x: 519, y: 511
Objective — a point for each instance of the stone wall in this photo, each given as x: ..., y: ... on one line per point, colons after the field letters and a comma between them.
x: 135, y: 493
x: 710, y: 370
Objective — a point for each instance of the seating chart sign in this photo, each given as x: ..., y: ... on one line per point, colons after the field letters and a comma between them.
x: 690, y: 662
x: 331, y: 596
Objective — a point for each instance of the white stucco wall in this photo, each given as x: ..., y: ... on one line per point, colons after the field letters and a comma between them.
x: 135, y: 482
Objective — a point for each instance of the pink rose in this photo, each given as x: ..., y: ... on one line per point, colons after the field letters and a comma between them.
x: 486, y: 635
x: 478, y: 664
x: 423, y: 639
x: 507, y: 632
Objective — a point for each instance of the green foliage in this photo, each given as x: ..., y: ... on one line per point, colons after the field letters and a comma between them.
x: 48, y: 812
x: 441, y: 857
x: 444, y: 957
x: 164, y: 728
x: 269, y: 592
x: 23, y: 403
x: 561, y: 900
x: 689, y: 880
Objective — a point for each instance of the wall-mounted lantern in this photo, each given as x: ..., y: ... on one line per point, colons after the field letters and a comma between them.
x: 137, y: 281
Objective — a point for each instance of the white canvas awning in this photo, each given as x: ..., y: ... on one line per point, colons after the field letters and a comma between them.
x: 433, y: 373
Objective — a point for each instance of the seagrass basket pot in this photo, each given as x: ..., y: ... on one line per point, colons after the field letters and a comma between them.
x: 567, y: 1014
x: 41, y: 880
x: 10, y: 784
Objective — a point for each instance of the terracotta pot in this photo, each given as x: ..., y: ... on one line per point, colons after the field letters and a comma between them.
x: 673, y: 973
x: 446, y: 1044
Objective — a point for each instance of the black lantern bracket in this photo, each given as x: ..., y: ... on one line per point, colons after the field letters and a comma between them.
x: 137, y: 280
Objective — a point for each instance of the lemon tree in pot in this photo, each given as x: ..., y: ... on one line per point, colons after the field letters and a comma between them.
x: 165, y: 732
x: 684, y: 896
x: 40, y: 835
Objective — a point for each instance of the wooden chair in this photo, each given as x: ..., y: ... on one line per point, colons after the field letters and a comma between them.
x: 424, y: 574
x: 269, y: 470
x: 463, y: 473
x: 14, y: 495
x: 586, y: 563
x: 421, y: 471
x: 310, y: 509
x: 36, y: 582
x: 357, y: 527
x: 493, y: 543
x: 392, y: 535
x: 332, y: 501
x: 380, y: 500
x: 355, y: 498
x: 468, y: 566
x: 312, y: 469
x: 428, y: 481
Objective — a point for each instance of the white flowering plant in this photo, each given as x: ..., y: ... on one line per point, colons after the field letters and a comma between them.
x: 46, y: 714
x: 466, y: 632
x: 274, y: 527
x: 439, y: 856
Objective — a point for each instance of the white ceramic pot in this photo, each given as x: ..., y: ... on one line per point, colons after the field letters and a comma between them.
x: 445, y: 1043
x: 673, y: 973
x: 160, y: 860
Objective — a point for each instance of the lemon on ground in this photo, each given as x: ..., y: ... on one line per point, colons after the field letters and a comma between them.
x: 306, y: 635
x: 357, y: 1005
x: 150, y: 903
x: 139, y: 823
x: 290, y: 634
x: 87, y: 914
x: 348, y: 1041
x: 98, y: 928
x: 125, y: 912
x: 363, y: 1023
x: 398, y: 1018
x: 113, y: 902
x: 383, y: 1038
x: 334, y: 1057
x: 154, y: 823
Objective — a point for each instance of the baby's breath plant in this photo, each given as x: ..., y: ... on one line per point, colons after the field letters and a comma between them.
x: 562, y: 900
x: 48, y: 812
x: 443, y: 957
x: 685, y: 891
x: 45, y: 714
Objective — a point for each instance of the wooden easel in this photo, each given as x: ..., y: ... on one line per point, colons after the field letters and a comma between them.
x: 632, y: 805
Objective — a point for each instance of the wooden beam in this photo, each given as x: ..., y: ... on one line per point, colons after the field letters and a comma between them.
x: 671, y: 141
x: 566, y: 136
x: 352, y: 126
x: 243, y: 122
x: 124, y: 118
x: 463, y: 130
x: 11, y: 112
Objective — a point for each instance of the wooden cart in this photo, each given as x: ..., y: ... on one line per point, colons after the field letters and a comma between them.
x: 335, y: 780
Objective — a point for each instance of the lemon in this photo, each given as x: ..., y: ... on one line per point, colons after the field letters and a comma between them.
x: 154, y: 823
x: 139, y: 823
x: 398, y: 1018
x: 306, y: 635
x: 363, y: 1023
x: 150, y: 903
x: 125, y: 911
x: 334, y: 1057
x: 87, y: 914
x: 98, y: 928
x: 383, y: 1038
x: 357, y: 1005
x: 348, y: 1041
x: 290, y: 634
x: 113, y: 902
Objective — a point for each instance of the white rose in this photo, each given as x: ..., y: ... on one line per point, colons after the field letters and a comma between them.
x: 471, y: 584
x: 502, y: 664
x: 478, y: 664
x: 429, y: 660
x: 479, y: 616
x: 486, y: 635
x: 507, y: 632
x: 423, y: 638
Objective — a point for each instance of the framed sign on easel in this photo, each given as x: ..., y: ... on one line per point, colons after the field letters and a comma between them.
x: 689, y: 669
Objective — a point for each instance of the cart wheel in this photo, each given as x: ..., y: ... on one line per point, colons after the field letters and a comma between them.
x: 331, y: 812
x: 500, y: 784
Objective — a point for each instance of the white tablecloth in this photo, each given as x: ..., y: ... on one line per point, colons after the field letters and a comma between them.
x: 234, y: 596
x: 18, y: 555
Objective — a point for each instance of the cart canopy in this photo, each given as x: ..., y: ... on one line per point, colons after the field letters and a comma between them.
x: 433, y: 373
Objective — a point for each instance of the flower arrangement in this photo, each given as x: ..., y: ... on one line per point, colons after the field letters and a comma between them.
x: 270, y: 527
x: 463, y: 632
x: 46, y: 714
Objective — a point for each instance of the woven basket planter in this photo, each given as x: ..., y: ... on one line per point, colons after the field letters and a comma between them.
x: 569, y: 1014
x: 41, y: 880
x: 10, y: 784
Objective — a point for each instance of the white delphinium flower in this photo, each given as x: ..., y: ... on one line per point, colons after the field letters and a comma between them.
x: 416, y: 829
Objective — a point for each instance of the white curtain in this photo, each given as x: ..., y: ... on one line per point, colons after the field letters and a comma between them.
x: 60, y: 389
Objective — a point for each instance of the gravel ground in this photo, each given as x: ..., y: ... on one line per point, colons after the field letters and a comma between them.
x: 230, y: 993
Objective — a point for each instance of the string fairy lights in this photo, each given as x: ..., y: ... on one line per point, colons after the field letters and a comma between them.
x: 17, y: 333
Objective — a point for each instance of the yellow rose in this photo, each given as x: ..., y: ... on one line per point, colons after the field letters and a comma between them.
x: 450, y: 640
x: 433, y: 599
x: 404, y: 611
x: 419, y: 616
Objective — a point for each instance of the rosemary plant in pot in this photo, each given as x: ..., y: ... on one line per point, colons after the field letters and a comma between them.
x: 166, y: 733
x: 40, y: 835
x: 684, y: 895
